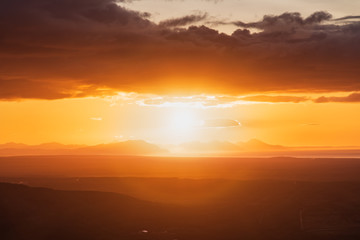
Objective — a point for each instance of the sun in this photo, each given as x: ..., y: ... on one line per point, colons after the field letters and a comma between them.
x: 183, y: 122
x: 183, y: 119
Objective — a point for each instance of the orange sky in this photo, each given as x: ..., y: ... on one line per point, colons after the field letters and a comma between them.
x: 101, y: 71
x: 99, y: 120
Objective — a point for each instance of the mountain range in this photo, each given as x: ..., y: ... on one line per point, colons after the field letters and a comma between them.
x: 131, y: 147
x: 252, y: 147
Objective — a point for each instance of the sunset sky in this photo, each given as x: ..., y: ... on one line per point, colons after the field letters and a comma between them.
x: 168, y: 72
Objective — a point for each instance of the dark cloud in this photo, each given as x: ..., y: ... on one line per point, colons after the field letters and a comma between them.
x: 352, y: 98
x: 288, y: 20
x: 289, y: 27
x: 317, y: 17
x: 22, y: 88
x: 183, y: 21
x: 275, y: 99
x: 71, y: 48
x: 15, y: 89
x: 347, y: 18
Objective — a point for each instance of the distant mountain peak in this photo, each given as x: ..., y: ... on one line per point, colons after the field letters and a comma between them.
x: 130, y: 147
x: 13, y: 145
x: 256, y: 144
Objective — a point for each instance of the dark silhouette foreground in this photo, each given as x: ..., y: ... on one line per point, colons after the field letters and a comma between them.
x: 251, y: 210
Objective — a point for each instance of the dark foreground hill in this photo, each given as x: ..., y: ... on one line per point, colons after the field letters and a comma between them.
x: 253, y: 210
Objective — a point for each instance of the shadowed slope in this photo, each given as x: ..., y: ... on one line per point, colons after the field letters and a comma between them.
x: 254, y: 210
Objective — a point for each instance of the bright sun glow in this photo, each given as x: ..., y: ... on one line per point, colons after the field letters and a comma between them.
x: 183, y: 122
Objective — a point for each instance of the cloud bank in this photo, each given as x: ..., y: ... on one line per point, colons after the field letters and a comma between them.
x: 352, y: 98
x: 59, y: 49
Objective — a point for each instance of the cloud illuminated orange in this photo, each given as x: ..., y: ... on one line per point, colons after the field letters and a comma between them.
x: 62, y: 49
